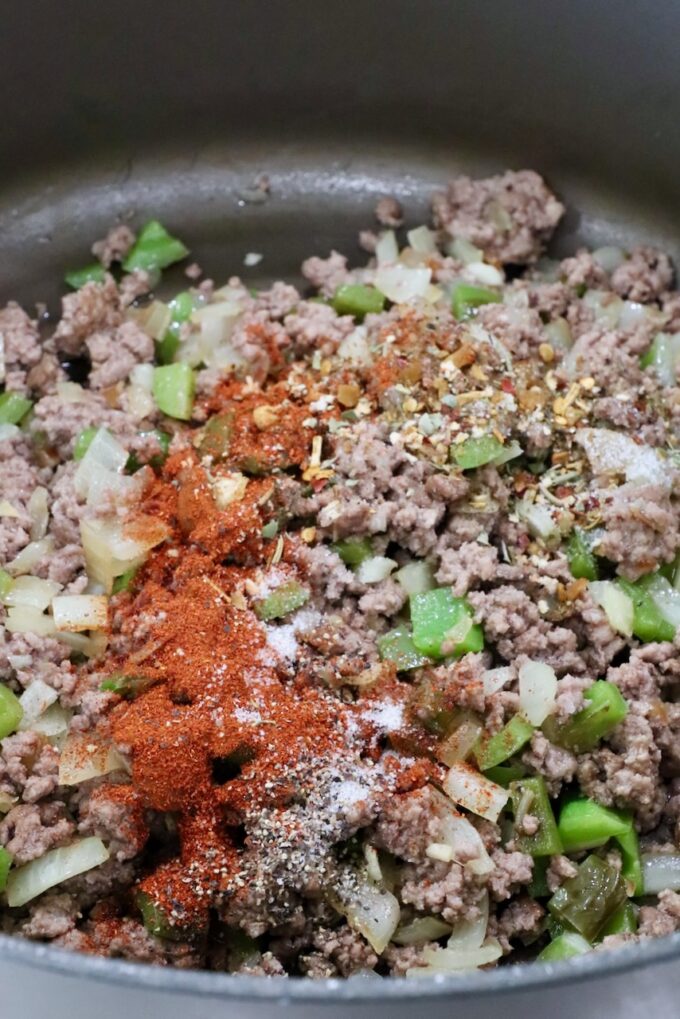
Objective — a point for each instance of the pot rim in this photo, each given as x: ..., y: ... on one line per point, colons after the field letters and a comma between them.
x: 204, y: 984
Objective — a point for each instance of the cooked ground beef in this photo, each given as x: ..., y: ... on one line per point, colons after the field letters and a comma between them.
x: 349, y: 544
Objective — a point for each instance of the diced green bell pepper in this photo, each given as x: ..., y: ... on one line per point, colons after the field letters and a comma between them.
x: 216, y: 436
x: 534, y: 793
x: 181, y: 308
x: 353, y: 551
x: 509, y: 741
x: 538, y: 886
x: 290, y: 596
x: 6, y: 860
x: 397, y: 646
x: 466, y: 298
x: 584, y: 824
x: 173, y: 390
x: 648, y: 623
x: 434, y: 614
x: 126, y: 685
x: 587, y: 901
x: 11, y: 712
x: 475, y: 452
x: 13, y: 407
x: 582, y: 562
x: 156, y: 920
x: 84, y: 441
x: 270, y: 529
x: 623, y: 921
x: 6, y: 584
x: 124, y: 581
x: 505, y: 774
x: 154, y: 248
x: 565, y: 946
x: 631, y: 866
x: 93, y: 273
x: 605, y: 709
x: 158, y: 459
x: 357, y: 300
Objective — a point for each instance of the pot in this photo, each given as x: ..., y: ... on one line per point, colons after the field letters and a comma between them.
x: 173, y: 110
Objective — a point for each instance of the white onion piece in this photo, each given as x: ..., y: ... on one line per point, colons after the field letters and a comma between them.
x: 464, y: 250
x: 558, y: 334
x: 605, y: 306
x: 35, y: 700
x: 34, y: 878
x: 415, y: 578
x: 539, y: 520
x: 421, y: 930
x: 401, y: 284
x: 510, y: 451
x: 111, y: 549
x: 92, y: 645
x: 466, y: 842
x: 104, y: 452
x: 495, y: 679
x: 611, y: 452
x: 609, y: 257
x: 484, y: 274
x: 372, y: 911
x: 471, y: 933
x: 8, y: 510
x: 355, y: 348
x: 30, y: 556
x: 77, y: 612
x: 139, y: 403
x: 456, y: 634
x: 537, y: 691
x: 8, y: 431
x: 154, y: 319
x: 71, y: 392
x: 26, y: 619
x: 459, y: 743
x: 375, y: 569
x: 616, y: 604
x: 442, y: 960
x: 216, y: 323
x: 38, y: 509
x: 53, y: 722
x: 633, y: 314
x: 142, y: 376
x: 372, y: 863
x: 660, y: 872
x: 477, y: 794
x: 32, y: 591
x: 666, y: 598
x: 83, y: 758
x: 386, y: 248
x: 422, y: 240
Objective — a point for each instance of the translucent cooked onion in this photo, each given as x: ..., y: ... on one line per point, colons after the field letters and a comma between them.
x: 666, y: 598
x: 660, y: 872
x: 111, y: 549
x: 154, y: 319
x: 609, y: 257
x: 616, y: 604
x: 53, y: 722
x: 464, y: 250
x: 612, y: 452
x: 470, y: 934
x: 605, y: 306
x: 466, y: 842
x: 32, y: 591
x: 78, y: 612
x: 483, y: 274
x: 558, y: 334
x: 83, y: 758
x: 459, y: 743
x: 71, y: 392
x: 539, y: 520
x: 142, y: 376
x: 442, y: 960
x: 421, y: 930
x: 422, y: 240
x: 101, y: 469
x: 35, y: 700
x: 370, y: 910
x: 38, y: 508
x: 510, y: 451
x: 477, y: 794
x: 27, y: 882
x: 537, y: 691
x: 26, y: 619
x: 495, y: 679
x: 415, y: 578
x: 386, y: 248
x: 375, y: 569
x: 354, y: 348
x: 401, y: 284
x: 30, y: 556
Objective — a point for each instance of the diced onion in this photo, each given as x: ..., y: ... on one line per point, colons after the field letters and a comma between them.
x: 442, y: 960
x: 32, y: 591
x: 355, y: 348
x: 467, y: 844
x: 53, y: 722
x: 511, y: 450
x: 633, y: 314
x: 616, y: 604
x: 612, y: 452
x: 370, y: 910
x: 539, y: 520
x: 8, y: 431
x: 477, y: 794
x: 484, y: 274
x: 386, y: 248
x: 609, y: 257
x: 421, y: 930
x: 101, y: 468
x: 111, y: 549
x: 26, y: 619
x: 8, y: 510
x: 35, y: 700
x: 457, y: 634
x: 415, y: 578
x: 375, y: 569
x: 464, y: 250
x: 470, y: 934
x: 605, y: 306
x: 39, y: 512
x: 459, y: 743
x: 422, y: 240
x: 537, y: 691
x: 401, y: 284
x: 142, y: 376
x: 34, y: 878
x: 666, y: 598
x: 83, y: 758
x: 71, y: 392
x: 77, y: 612
x: 660, y: 872
x: 372, y: 863
x: 30, y: 556
x: 558, y: 334
x: 495, y: 679
x: 154, y: 319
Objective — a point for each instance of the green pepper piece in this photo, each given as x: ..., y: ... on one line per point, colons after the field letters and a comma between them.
x: 270, y: 529
x: 606, y: 708
x: 173, y: 390
x: 158, y: 459
x: 397, y: 646
x: 353, y: 551
x: 93, y: 273
x: 216, y: 436
x: 466, y: 298
x: 475, y: 452
x: 84, y: 441
x: 281, y: 602
x: 538, y: 886
x: 181, y: 308
x: 13, y: 407
x: 565, y: 946
x: 584, y: 824
x: 154, y: 248
x: 582, y: 562
x: 532, y: 795
x: 434, y: 614
x: 6, y: 860
x: 505, y: 774
x: 124, y: 581
x: 631, y: 868
x: 586, y: 902
x: 623, y: 921
x: 127, y: 686
x: 6, y: 584
x: 156, y: 920
x: 11, y: 712
x: 506, y: 743
x: 648, y: 623
x: 357, y: 300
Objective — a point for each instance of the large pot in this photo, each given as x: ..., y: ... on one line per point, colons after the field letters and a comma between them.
x: 172, y: 109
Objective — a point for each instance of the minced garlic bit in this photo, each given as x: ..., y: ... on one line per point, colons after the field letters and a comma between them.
x: 265, y: 416
x: 229, y: 488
